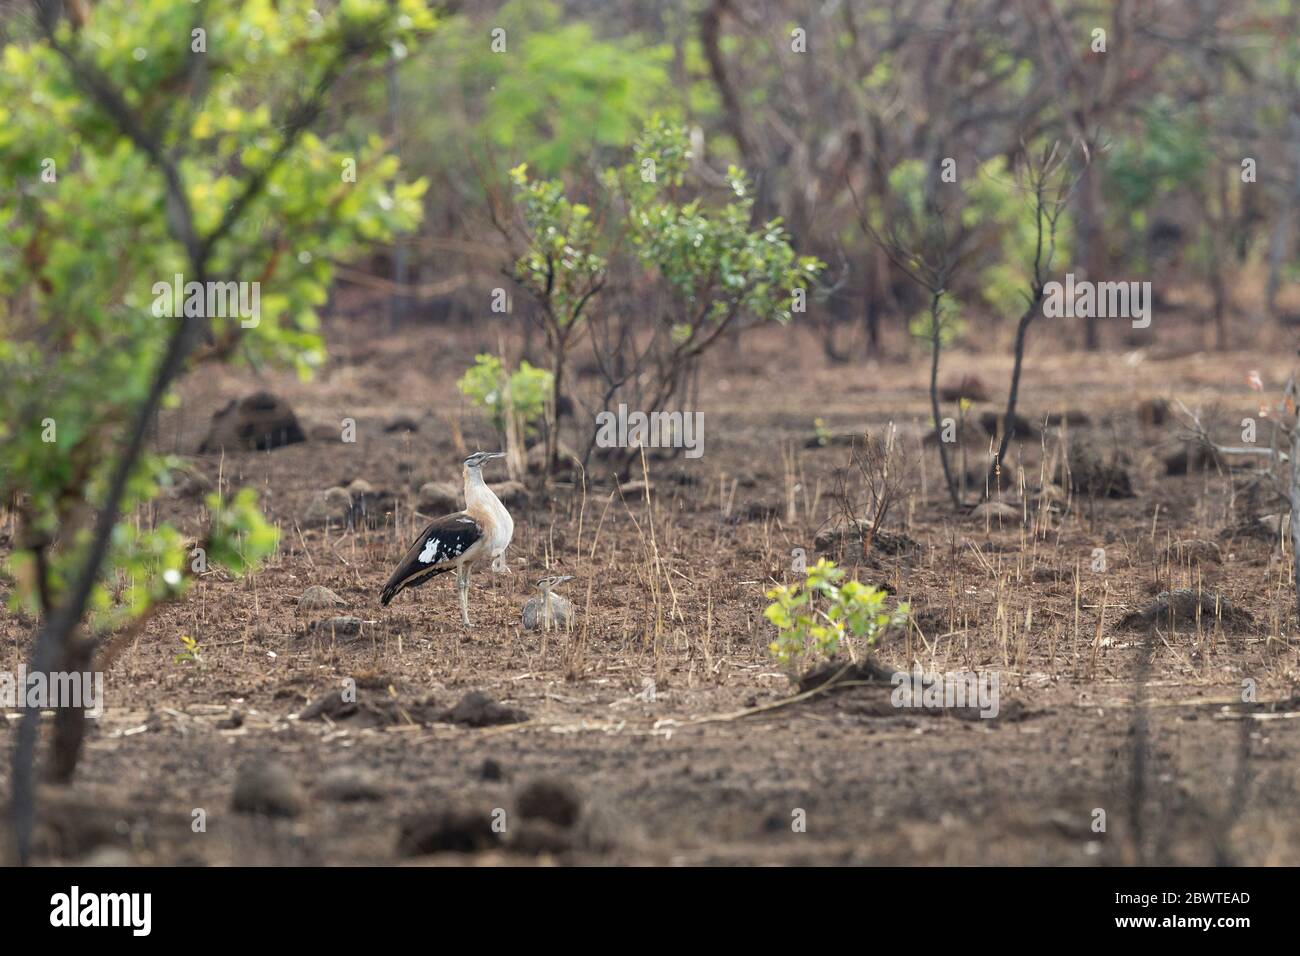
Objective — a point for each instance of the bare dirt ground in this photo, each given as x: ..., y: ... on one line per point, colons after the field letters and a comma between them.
x: 645, y: 740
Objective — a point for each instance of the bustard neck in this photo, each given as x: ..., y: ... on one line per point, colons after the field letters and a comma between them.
x: 477, y: 491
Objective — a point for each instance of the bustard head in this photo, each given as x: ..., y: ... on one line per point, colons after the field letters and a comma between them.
x: 545, y: 584
x: 478, y: 459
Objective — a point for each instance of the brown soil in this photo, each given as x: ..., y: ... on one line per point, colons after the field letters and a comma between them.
x: 654, y: 732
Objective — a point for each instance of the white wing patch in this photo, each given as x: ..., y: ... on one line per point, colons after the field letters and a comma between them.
x: 430, y: 549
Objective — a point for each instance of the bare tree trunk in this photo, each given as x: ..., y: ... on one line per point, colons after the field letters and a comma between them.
x: 1295, y: 509
x: 1090, y: 239
x: 553, y: 426
x: 51, y: 643
x: 936, y: 344
x: 875, y: 276
x: 1218, y: 254
x: 1284, y: 226
x: 70, y: 722
x: 1009, y: 417
x: 733, y: 114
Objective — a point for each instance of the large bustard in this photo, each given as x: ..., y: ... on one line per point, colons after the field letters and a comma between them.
x: 454, y: 542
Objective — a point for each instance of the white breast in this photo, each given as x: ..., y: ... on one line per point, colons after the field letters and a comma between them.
x: 483, y: 504
x: 503, y: 526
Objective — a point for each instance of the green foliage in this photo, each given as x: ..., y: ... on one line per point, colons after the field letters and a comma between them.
x: 821, y: 615
x: 993, y: 202
x: 910, y: 219
x: 1144, y: 168
x: 190, y: 651
x: 719, y: 267
x: 80, y: 255
x: 951, y: 325
x: 1169, y: 153
x: 999, y: 202
x: 555, y: 96
x: 239, y: 537
x: 521, y: 394
x: 560, y: 266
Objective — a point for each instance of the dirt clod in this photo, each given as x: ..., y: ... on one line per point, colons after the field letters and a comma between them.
x: 446, y: 830
x: 372, y: 710
x: 438, y: 498
x: 536, y: 837
x: 969, y: 387
x: 997, y: 512
x: 1096, y: 475
x: 338, y: 627
x: 349, y: 785
x: 843, y: 533
x: 402, y: 423
x: 331, y: 705
x: 268, y: 789
x: 1021, y: 428
x: 556, y: 801
x: 1071, y: 418
x: 477, y: 709
x: 1190, y: 457
x: 840, y: 672
x: 1196, y: 551
x: 369, y: 505
x: 1182, y: 606
x: 257, y: 422
x: 331, y: 506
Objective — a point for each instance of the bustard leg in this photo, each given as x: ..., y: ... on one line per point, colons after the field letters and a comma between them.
x: 462, y: 585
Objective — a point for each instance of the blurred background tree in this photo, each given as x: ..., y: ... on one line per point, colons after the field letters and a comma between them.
x: 140, y: 141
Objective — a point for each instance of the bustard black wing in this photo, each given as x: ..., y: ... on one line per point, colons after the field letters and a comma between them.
x: 434, y: 551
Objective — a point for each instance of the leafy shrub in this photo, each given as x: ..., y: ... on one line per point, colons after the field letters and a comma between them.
x: 82, y: 249
x: 717, y: 268
x: 821, y: 616
x: 520, y: 394
x: 718, y: 264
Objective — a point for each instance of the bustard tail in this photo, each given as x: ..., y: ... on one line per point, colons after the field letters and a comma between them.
x: 390, y: 591
x: 439, y: 548
x: 407, y: 577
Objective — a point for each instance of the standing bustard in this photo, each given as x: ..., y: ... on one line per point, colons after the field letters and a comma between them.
x: 548, y: 610
x: 454, y: 542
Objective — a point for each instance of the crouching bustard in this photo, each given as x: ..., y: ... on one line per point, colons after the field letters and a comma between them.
x: 481, y: 532
x: 548, y: 610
